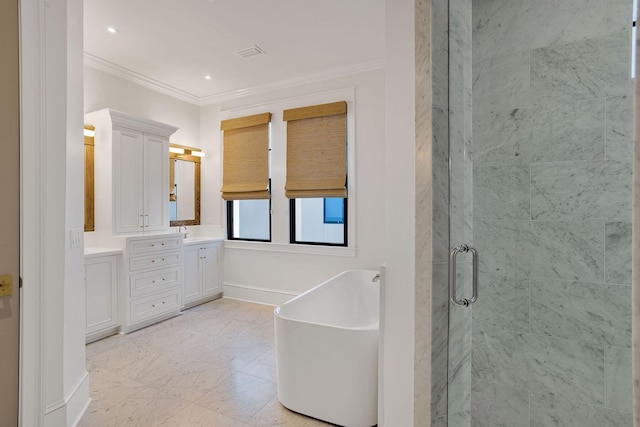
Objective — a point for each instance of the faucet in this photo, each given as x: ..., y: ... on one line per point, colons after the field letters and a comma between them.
x: 180, y: 230
x: 376, y: 278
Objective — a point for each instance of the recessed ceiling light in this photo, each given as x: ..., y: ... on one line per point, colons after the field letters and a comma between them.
x: 208, y: 77
x: 112, y: 30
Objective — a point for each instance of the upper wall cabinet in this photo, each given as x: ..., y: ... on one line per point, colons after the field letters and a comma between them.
x: 131, y: 172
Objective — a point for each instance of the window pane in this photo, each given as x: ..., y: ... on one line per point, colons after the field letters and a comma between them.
x: 319, y: 220
x: 333, y: 210
x: 250, y: 220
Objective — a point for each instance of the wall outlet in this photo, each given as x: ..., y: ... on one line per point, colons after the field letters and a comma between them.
x: 76, y: 237
x: 6, y: 285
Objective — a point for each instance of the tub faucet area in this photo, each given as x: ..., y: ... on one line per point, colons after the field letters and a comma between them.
x: 376, y: 278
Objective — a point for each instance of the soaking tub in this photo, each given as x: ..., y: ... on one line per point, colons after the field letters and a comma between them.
x: 327, y: 350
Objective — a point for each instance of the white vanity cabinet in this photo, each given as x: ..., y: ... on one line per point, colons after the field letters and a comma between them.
x: 131, y: 173
x: 202, y: 271
x: 101, y: 284
x: 141, y: 176
x: 153, y: 280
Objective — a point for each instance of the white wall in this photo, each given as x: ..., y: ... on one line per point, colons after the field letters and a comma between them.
x: 103, y: 90
x: 54, y: 384
x: 279, y: 273
x: 397, y: 403
x: 56, y: 129
x: 76, y: 380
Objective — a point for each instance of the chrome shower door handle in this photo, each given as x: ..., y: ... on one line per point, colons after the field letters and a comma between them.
x: 464, y: 302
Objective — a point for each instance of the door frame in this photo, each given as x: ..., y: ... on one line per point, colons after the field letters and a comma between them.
x: 33, y: 116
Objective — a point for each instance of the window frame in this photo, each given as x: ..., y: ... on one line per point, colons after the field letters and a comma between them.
x: 292, y: 226
x: 230, y: 222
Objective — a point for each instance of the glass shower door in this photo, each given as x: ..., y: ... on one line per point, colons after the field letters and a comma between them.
x: 540, y: 166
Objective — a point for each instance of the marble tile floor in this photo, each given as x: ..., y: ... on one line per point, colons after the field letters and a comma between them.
x: 214, y: 366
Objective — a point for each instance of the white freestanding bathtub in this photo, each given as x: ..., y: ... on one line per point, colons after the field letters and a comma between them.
x: 327, y: 350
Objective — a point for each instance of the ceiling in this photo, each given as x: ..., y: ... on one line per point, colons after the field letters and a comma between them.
x: 172, y: 44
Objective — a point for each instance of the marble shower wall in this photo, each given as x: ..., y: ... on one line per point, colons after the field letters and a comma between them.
x: 552, y: 168
x: 459, y: 405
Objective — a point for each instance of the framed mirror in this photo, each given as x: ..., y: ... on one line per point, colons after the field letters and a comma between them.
x: 89, y: 176
x: 184, y: 185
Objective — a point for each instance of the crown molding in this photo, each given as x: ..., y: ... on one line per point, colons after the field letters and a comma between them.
x: 127, y: 74
x: 296, y: 81
x: 132, y: 76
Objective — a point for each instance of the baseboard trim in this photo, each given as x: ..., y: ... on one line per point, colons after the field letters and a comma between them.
x: 78, y: 400
x: 72, y: 407
x: 98, y: 335
x: 205, y: 300
x: 82, y: 412
x: 256, y: 295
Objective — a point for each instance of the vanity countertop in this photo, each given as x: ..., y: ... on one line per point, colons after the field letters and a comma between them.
x: 93, y: 252
x: 201, y: 239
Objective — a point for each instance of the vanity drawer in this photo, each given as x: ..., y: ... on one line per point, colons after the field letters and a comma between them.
x: 144, y: 308
x: 139, y: 246
x: 153, y: 281
x: 158, y: 260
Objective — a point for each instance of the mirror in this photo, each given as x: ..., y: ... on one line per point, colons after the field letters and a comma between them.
x: 184, y: 185
x: 89, y: 172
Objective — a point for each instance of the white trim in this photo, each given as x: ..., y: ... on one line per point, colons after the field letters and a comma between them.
x: 33, y: 142
x: 103, y: 333
x: 82, y: 412
x: 142, y: 80
x: 257, y: 295
x: 298, y: 81
x: 343, y: 94
x: 77, y: 400
x: 55, y: 407
x: 137, y: 78
x: 80, y: 388
x: 290, y: 248
x: 120, y: 119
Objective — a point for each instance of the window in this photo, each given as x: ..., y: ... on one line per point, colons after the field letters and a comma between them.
x: 245, y: 177
x: 333, y: 210
x: 249, y: 220
x: 319, y: 221
x: 311, y: 147
x: 317, y: 173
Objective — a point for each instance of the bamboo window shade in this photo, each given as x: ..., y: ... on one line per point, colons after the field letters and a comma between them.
x: 245, y: 161
x: 317, y: 151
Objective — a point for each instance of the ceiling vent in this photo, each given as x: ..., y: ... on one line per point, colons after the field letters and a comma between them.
x: 250, y: 51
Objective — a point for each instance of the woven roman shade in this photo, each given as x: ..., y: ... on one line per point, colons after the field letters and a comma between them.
x: 245, y: 159
x: 317, y: 151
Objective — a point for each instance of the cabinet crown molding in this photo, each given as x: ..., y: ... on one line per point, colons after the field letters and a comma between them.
x: 120, y: 119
